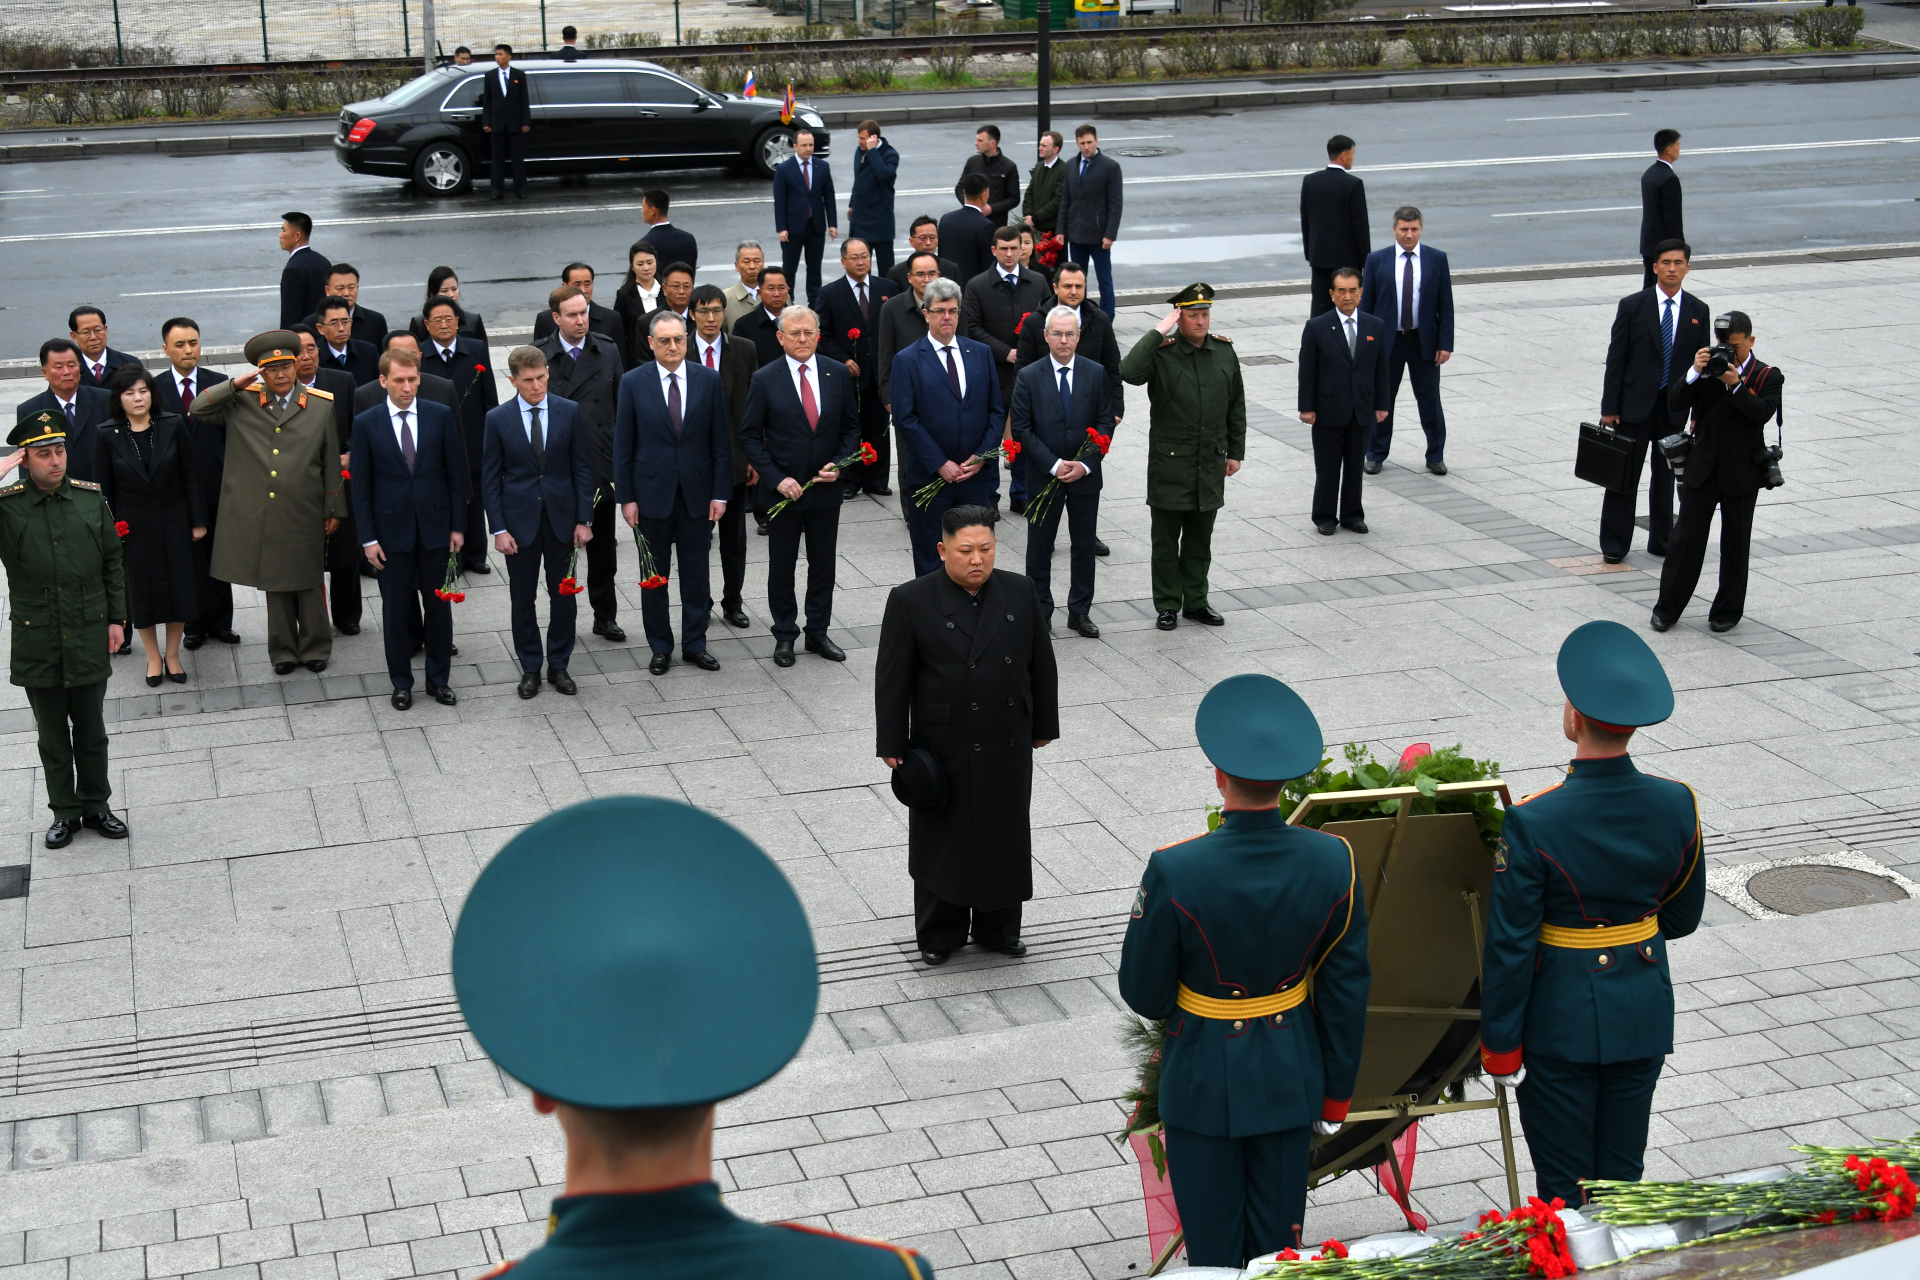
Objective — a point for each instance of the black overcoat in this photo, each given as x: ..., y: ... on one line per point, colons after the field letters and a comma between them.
x: 971, y: 679
x: 161, y: 502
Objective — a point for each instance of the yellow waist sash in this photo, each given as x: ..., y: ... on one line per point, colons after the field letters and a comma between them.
x: 1236, y: 1010
x: 1620, y: 935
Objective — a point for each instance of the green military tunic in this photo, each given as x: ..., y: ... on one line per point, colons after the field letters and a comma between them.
x: 1199, y: 417
x: 280, y: 484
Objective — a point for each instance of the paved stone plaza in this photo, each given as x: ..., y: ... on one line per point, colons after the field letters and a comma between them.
x: 228, y: 1045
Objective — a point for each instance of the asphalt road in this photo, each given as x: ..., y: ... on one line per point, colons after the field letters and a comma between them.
x: 1529, y: 181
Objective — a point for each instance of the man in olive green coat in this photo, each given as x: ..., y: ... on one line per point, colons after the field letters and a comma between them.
x: 1196, y: 439
x: 1040, y: 207
x: 65, y: 584
x: 280, y: 496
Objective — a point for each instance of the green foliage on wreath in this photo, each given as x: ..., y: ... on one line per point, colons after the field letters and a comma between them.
x: 1146, y: 1043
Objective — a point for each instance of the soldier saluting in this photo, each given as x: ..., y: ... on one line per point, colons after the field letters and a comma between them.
x: 1591, y: 878
x: 65, y: 585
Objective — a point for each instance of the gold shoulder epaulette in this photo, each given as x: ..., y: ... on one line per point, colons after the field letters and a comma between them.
x: 1188, y: 840
x: 1166, y: 341
x: 16, y: 487
x: 1223, y: 337
x: 84, y: 484
x: 324, y: 395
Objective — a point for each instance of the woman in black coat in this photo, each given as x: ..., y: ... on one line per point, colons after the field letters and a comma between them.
x: 442, y: 283
x: 143, y: 461
x: 639, y: 293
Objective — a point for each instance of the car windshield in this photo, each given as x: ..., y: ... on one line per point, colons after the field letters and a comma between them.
x: 415, y: 90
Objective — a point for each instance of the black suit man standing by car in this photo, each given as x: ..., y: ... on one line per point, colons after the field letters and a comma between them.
x: 1333, y: 221
x: 1660, y: 217
x: 506, y: 117
x: 735, y: 360
x: 1345, y: 383
x: 582, y: 366
x: 1655, y: 334
x: 303, y: 281
x: 1726, y: 467
x: 850, y: 333
x: 466, y: 364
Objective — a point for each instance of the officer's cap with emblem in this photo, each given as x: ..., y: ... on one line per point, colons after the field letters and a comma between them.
x: 41, y: 428
x: 1194, y: 295
x: 635, y: 952
x: 1611, y: 677
x: 272, y: 347
x: 1256, y: 728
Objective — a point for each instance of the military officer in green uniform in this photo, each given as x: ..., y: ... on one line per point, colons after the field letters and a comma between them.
x: 1251, y: 943
x: 1591, y: 878
x: 1196, y: 439
x: 64, y: 586
x: 280, y: 496
x: 599, y: 961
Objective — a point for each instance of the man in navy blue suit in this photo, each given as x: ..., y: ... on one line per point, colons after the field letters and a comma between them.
x: 849, y: 333
x: 672, y: 476
x: 409, y: 492
x: 1056, y: 402
x: 946, y: 412
x: 803, y: 211
x: 801, y: 419
x: 1343, y: 393
x: 1410, y: 289
x: 536, y: 477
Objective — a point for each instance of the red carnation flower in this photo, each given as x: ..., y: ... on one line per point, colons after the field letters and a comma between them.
x: 868, y: 454
x: 1332, y: 1249
x: 853, y: 335
x: 1023, y: 324
x: 345, y: 474
x: 650, y: 583
x: 120, y: 527
x: 479, y: 368
x: 1012, y: 447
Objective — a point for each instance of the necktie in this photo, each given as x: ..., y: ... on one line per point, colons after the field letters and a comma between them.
x: 673, y: 403
x: 446, y: 354
x: 807, y: 401
x: 953, y: 373
x: 1350, y: 335
x: 1083, y: 168
x: 1013, y: 282
x: 406, y: 442
x: 574, y: 354
x: 100, y: 371
x: 539, y: 441
x: 1406, y: 291
x: 1066, y: 396
x: 69, y: 417
x: 1666, y: 342
x: 710, y: 363
x: 186, y: 394
x: 861, y: 289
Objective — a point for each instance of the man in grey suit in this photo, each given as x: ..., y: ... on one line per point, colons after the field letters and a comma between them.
x: 1660, y: 200
x: 1333, y: 221
x: 1090, y: 203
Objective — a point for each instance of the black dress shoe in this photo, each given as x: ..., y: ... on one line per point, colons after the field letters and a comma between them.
x: 284, y: 668
x: 229, y: 636
x: 453, y: 651
x: 1012, y: 947
x: 1167, y: 621
x: 850, y: 494
x: 1659, y: 623
x: 1017, y: 505
x: 317, y: 665
x: 1371, y: 466
x: 783, y: 653
x: 881, y: 492
x: 826, y: 649
x: 367, y: 571
x: 659, y: 663
x: 562, y: 683
x: 610, y: 631
x: 442, y: 695
x: 1101, y: 549
x: 193, y: 641
x: 403, y: 699
x: 529, y: 683
x: 126, y: 645
x: 703, y: 660
x: 736, y: 617
x: 1356, y: 526
x: 1208, y: 614
x: 1326, y: 527
x: 934, y: 959
x: 1612, y: 559
x: 1084, y: 625
x: 106, y: 824
x: 1438, y: 468
x: 347, y: 628
x: 1718, y: 627
x: 482, y: 567
x: 60, y: 835
x: 762, y: 522
x: 1658, y: 553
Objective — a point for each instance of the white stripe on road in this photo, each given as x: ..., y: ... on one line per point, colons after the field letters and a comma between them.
x: 1598, y: 115
x: 1549, y: 213
x: 1418, y: 166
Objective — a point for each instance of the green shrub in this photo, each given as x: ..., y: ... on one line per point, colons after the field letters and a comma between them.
x: 863, y: 69
x: 1122, y: 57
x: 210, y: 94
x: 1074, y: 60
x: 1194, y: 55
x: 1829, y: 28
x: 1358, y: 48
x: 949, y: 62
x: 1441, y: 43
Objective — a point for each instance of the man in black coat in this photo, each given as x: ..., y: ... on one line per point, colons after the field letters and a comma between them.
x: 369, y: 326
x: 506, y: 116
x: 761, y: 326
x: 1090, y: 207
x: 182, y: 380
x: 433, y: 388
x: 735, y: 360
x: 582, y: 366
x: 1333, y: 221
x: 1345, y: 385
x: 1655, y: 335
x: 965, y: 674
x: 670, y: 243
x: 339, y: 349
x: 850, y: 333
x: 966, y: 234
x: 902, y: 323
x: 303, y: 281
x: 605, y: 321
x: 1726, y: 468
x: 924, y: 237
x: 87, y: 326
x: 995, y: 311
x: 465, y: 363
x: 82, y: 406
x: 343, y: 544
x: 1001, y: 173
x: 1660, y: 200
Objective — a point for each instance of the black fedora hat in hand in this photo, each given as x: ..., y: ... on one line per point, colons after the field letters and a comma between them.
x: 919, y: 782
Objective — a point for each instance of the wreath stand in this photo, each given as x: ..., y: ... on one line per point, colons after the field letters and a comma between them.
x: 1426, y: 880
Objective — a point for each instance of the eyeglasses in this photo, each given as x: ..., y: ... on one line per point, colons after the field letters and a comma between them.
x: 710, y: 311
x: 678, y: 339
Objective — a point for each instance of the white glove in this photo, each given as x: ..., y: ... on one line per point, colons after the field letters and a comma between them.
x: 1512, y: 1081
x: 1327, y: 1128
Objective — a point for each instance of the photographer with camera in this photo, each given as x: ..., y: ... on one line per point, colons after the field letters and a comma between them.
x: 1725, y: 462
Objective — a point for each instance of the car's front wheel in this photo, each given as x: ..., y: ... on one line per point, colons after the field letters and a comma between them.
x: 442, y: 169
x: 771, y: 148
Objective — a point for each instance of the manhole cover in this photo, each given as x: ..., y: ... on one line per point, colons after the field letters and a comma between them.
x: 1803, y: 890
x: 1147, y: 153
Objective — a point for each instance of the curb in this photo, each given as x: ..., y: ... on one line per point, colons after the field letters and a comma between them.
x: 1126, y: 107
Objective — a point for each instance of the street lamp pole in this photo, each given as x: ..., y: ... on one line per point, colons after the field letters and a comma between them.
x: 1044, y: 12
x: 427, y: 34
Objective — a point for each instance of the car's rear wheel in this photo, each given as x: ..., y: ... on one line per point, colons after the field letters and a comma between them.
x: 772, y: 147
x: 442, y: 169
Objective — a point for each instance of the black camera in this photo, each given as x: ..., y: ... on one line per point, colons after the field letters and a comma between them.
x: 1674, y: 449
x: 1721, y: 356
x: 1768, y: 456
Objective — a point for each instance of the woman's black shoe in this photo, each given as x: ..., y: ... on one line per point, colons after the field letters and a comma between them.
x: 178, y: 677
x: 153, y: 682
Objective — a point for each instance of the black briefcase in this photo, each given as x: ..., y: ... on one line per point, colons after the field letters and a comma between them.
x: 1602, y: 457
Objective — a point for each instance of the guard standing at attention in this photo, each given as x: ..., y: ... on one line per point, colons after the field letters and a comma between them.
x: 1591, y: 879
x: 1230, y: 933
x: 1196, y: 439
x: 65, y: 584
x: 587, y: 961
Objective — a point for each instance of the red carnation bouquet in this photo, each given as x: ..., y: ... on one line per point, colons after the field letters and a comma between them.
x: 1048, y: 248
x: 120, y: 527
x: 923, y: 496
x: 570, y: 585
x: 650, y: 576
x: 448, y: 589
x: 1095, y: 443
x: 866, y: 455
